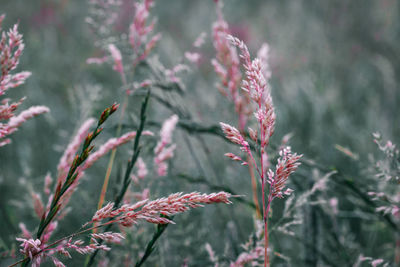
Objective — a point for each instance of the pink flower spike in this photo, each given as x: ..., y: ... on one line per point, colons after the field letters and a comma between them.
x: 376, y: 262
x: 13, y: 80
x: 233, y: 156
x: 151, y: 211
x: 72, y: 148
x: 25, y: 232
x: 145, y: 194
x: 192, y: 57
x: 288, y: 191
x: 233, y: 135
x: 263, y: 55
x: 139, y: 30
x: 166, y: 132
x: 77, y: 246
x: 252, y: 257
x: 96, y: 60
x: 333, y: 203
x: 116, y: 55
x: 253, y: 134
x: 162, y: 169
x: 256, y: 88
x: 30, y: 248
x: 148, y: 133
x: 151, y: 44
x: 227, y: 66
x: 143, y: 84
x: 161, y: 158
x: 37, y: 205
x: 47, y: 183
x: 236, y: 158
x: 57, y: 262
x: 142, y: 169
x: 2, y: 16
x: 162, y: 153
x: 287, y: 164
x: 200, y: 40
x: 165, y: 154
x: 109, y: 237
x: 110, y: 145
x: 49, y: 231
x: 11, y: 47
x: 102, y: 213
x: 25, y: 115
x: 5, y: 142
x: 146, y: 83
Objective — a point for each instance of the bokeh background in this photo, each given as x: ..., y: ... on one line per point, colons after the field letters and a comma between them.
x: 335, y: 81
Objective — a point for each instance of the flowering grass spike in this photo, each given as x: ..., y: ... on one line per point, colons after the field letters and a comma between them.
x: 257, y: 87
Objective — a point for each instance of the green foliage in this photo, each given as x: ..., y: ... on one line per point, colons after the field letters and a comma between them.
x: 335, y: 80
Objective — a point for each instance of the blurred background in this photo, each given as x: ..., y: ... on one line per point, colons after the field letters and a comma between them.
x: 335, y: 80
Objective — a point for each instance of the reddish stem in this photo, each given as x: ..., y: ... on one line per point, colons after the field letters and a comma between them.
x: 270, y: 198
x: 266, y: 258
x: 254, y: 188
x: 265, y: 210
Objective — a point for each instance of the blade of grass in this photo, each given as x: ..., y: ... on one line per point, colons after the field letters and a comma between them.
x: 151, y: 245
x: 127, y: 180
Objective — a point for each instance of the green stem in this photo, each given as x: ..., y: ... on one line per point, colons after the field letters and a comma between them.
x: 151, y: 245
x: 127, y: 180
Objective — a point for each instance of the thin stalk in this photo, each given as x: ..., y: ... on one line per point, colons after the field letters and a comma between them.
x: 254, y: 189
x: 397, y: 250
x: 126, y: 182
x: 266, y: 240
x: 114, y: 150
x: 265, y: 213
x: 151, y: 245
x: 253, y: 178
x: 112, y: 158
x: 266, y: 259
x: 262, y: 176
